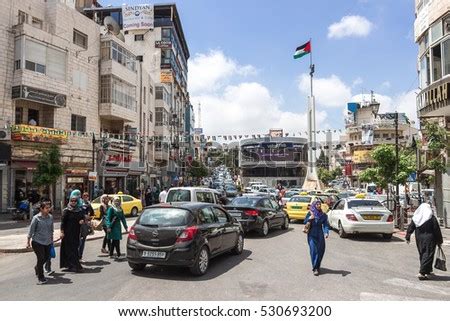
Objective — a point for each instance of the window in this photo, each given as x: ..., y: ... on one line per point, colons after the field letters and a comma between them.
x: 423, y: 44
x: 178, y: 195
x: 80, y: 39
x: 166, y: 34
x: 446, y: 56
x: 207, y: 216
x: 220, y: 215
x: 150, y: 90
x: 79, y: 80
x: 436, y: 31
x: 33, y: 117
x: 37, y: 23
x: 123, y: 56
x: 56, y: 63
x: 78, y: 123
x: 150, y: 117
x: 265, y: 203
x: 116, y: 91
x: 138, y: 37
x: 22, y: 17
x: 19, y: 116
x: 145, y: 95
x: 436, y: 63
x: 424, y: 71
x: 127, y: 199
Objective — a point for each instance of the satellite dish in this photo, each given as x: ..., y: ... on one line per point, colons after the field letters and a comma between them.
x: 111, y: 25
x: 121, y: 36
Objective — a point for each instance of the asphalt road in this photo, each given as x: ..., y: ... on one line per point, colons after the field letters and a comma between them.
x: 272, y: 268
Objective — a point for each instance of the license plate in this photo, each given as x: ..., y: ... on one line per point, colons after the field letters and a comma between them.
x: 235, y: 213
x: 371, y: 217
x: 296, y: 207
x: 154, y: 254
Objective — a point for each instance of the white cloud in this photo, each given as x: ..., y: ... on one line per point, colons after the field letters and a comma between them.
x: 350, y: 26
x: 249, y: 108
x: 358, y: 81
x: 208, y: 72
x: 329, y: 92
x: 386, y: 84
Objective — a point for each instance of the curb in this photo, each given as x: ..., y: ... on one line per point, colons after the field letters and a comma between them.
x: 58, y: 244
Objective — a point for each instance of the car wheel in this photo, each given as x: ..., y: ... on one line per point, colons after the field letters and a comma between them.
x: 202, y: 262
x: 134, y: 211
x: 341, y: 231
x: 264, y: 231
x: 239, y: 245
x: 136, y: 266
x: 285, y: 225
x: 387, y: 236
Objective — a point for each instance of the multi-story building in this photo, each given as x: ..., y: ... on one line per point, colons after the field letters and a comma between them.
x: 49, y: 91
x: 366, y: 129
x: 163, y: 54
x: 273, y: 160
x: 432, y: 34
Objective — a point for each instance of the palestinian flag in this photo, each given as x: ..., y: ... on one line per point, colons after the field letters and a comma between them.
x: 302, y: 50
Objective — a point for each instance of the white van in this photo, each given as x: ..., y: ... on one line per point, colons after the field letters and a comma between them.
x: 192, y: 194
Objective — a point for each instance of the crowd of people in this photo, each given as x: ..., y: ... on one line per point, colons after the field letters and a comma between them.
x: 75, y: 227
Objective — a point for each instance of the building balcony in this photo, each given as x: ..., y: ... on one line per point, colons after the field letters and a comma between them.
x: 112, y: 67
x: 162, y: 155
x: 113, y: 111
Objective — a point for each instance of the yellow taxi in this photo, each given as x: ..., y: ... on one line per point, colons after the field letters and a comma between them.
x: 298, y: 206
x: 130, y: 205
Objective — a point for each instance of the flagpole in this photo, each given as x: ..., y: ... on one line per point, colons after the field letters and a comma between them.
x: 311, y: 68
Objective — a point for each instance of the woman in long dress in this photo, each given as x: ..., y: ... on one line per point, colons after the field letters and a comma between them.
x: 115, y: 216
x: 71, y: 221
x: 428, y: 235
x: 319, y: 229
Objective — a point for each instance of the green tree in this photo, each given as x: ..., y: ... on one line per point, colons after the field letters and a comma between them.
x: 322, y: 161
x: 437, y: 141
x: 197, y: 170
x: 49, y: 169
x: 383, y: 172
x: 325, y: 176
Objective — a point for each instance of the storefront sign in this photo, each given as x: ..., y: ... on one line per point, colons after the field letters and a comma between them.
x: 166, y: 77
x: 137, y: 17
x: 163, y: 44
x: 39, y: 134
x: 38, y: 95
x: 92, y: 176
x: 75, y: 180
x: 435, y: 97
x: 118, y: 160
x: 361, y: 156
x: 276, y: 133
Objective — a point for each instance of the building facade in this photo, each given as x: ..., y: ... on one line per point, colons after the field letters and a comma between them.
x: 273, y: 160
x: 432, y: 34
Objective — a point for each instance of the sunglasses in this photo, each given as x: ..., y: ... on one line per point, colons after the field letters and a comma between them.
x: 73, y: 201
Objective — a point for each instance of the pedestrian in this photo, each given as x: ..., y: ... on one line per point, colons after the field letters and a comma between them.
x: 104, y: 206
x: 162, y: 195
x: 85, y: 228
x: 148, y: 196
x: 40, y: 237
x: 114, y: 217
x: 318, y: 229
x: 72, y: 219
x: 428, y: 235
x: 48, y: 264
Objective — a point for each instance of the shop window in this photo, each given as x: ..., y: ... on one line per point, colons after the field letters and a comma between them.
x: 33, y: 117
x: 80, y: 39
x: 78, y: 123
x: 19, y: 116
x: 436, y: 62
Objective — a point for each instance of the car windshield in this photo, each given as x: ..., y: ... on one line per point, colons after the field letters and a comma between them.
x: 165, y: 217
x: 364, y: 203
x: 245, y: 201
x: 230, y: 188
x: 290, y: 194
x: 300, y: 199
x: 179, y: 195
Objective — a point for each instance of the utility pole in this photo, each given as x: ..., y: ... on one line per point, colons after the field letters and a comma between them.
x: 92, y: 183
x: 397, y: 186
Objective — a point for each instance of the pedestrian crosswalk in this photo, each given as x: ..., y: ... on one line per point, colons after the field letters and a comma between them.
x: 423, y: 286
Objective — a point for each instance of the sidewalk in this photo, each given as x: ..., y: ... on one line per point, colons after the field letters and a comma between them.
x: 15, y: 240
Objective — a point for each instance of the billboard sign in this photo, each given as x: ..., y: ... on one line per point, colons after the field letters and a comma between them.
x: 137, y: 17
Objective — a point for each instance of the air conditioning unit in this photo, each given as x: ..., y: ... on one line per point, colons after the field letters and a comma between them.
x: 5, y: 134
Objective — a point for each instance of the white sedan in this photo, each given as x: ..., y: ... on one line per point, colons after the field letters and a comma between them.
x: 356, y: 215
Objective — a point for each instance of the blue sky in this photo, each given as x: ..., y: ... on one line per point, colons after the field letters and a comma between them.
x: 243, y: 73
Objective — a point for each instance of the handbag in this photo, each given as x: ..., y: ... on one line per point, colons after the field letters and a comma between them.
x: 52, y: 251
x: 307, y: 227
x: 440, y: 259
x: 97, y: 224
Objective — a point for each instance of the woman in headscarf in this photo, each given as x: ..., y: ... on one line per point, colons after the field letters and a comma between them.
x: 72, y: 218
x: 428, y: 235
x: 114, y: 216
x: 319, y: 229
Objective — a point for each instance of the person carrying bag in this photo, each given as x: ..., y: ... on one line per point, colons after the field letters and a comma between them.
x: 440, y: 262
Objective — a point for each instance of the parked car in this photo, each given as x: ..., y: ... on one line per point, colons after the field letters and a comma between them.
x: 361, y: 215
x: 231, y: 191
x: 260, y: 213
x: 191, y: 194
x: 130, y: 205
x: 188, y: 234
x: 297, y: 207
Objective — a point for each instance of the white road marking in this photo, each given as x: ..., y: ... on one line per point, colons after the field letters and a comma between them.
x: 369, y: 296
x: 422, y: 286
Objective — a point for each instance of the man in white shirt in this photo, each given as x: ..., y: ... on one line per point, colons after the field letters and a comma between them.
x: 162, y: 195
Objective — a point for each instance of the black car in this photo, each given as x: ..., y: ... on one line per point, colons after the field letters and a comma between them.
x: 186, y: 234
x: 231, y: 191
x: 260, y: 213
